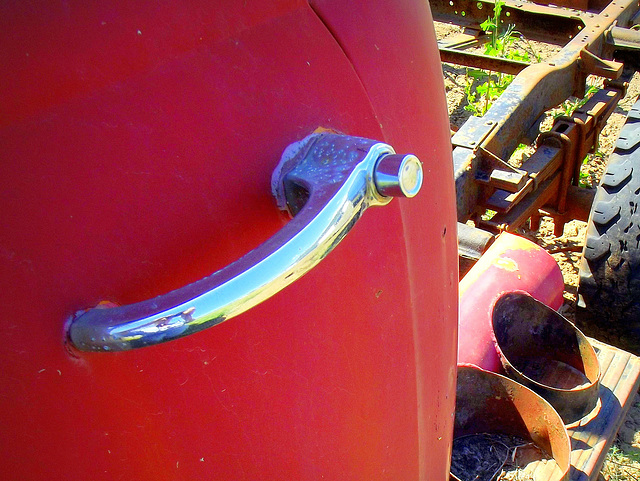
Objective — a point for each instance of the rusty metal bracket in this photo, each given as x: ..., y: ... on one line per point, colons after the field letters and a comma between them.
x: 497, y: 173
x: 592, y: 64
x: 473, y: 133
x: 485, y: 62
x: 523, y: 210
x: 568, y: 133
x: 569, y: 166
x: 579, y: 201
x: 559, y: 155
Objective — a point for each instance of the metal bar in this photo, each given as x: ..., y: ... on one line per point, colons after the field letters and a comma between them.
x: 503, y: 201
x: 485, y: 62
x: 522, y: 211
x: 537, y: 22
x: 470, y: 37
x: 544, y: 162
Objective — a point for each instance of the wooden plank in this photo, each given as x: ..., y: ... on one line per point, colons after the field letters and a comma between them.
x: 592, y: 436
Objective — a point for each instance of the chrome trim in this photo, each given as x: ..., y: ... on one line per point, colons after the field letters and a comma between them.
x: 337, y: 172
x: 398, y: 175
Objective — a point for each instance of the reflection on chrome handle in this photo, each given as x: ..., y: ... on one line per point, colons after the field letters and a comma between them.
x: 326, y: 181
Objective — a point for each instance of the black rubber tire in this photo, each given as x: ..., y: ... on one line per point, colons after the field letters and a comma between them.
x: 609, y: 290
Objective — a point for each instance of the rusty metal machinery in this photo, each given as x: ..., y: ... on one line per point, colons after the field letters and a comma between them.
x: 594, y: 34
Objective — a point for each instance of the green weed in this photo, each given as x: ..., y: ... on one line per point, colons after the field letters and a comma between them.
x: 568, y: 107
x: 488, y: 214
x: 484, y: 87
x: 587, y: 180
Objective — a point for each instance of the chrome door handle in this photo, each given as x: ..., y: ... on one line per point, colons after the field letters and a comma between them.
x: 325, y: 181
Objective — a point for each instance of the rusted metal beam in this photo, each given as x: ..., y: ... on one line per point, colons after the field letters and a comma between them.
x: 485, y: 62
x: 579, y: 4
x: 537, y: 22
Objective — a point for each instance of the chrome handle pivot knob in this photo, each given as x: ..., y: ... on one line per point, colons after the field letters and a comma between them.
x: 398, y: 175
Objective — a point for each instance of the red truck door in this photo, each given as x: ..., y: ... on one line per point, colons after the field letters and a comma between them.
x: 138, y: 141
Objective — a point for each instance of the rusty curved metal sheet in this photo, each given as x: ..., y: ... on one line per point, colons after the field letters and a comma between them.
x: 487, y: 402
x: 542, y: 350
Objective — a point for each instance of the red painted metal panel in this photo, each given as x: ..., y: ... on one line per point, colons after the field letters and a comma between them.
x: 138, y: 144
x: 392, y: 46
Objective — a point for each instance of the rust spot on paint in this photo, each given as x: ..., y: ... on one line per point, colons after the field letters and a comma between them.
x: 325, y: 130
x: 506, y: 264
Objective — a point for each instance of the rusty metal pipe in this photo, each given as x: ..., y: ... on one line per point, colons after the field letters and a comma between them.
x: 487, y: 62
x: 512, y: 263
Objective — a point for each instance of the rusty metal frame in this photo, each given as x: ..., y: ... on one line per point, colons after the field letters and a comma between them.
x: 559, y: 154
x: 481, y: 144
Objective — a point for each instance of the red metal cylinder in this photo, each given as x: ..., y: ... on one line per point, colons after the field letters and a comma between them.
x: 511, y: 264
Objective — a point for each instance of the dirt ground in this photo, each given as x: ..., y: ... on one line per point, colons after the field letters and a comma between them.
x: 623, y: 462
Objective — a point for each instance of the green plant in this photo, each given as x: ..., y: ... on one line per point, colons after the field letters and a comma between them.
x: 568, y: 107
x: 520, y: 147
x: 491, y: 26
x: 586, y: 179
x: 484, y: 87
x: 488, y: 214
x: 520, y: 155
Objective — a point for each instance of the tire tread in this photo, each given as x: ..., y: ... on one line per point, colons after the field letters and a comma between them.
x: 609, y: 289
